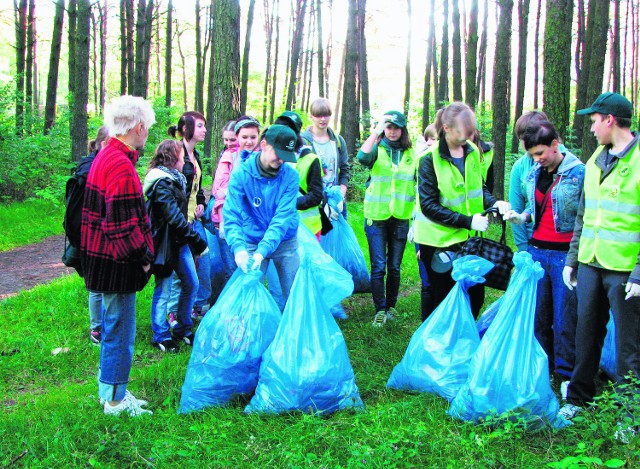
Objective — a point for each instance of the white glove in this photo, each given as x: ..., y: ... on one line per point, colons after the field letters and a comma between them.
x: 340, y: 206
x: 221, y: 230
x: 632, y: 289
x: 382, y: 124
x: 257, y: 261
x: 515, y: 217
x: 331, y: 212
x: 410, y: 235
x: 242, y: 260
x: 479, y: 223
x: 502, y: 206
x: 569, y: 277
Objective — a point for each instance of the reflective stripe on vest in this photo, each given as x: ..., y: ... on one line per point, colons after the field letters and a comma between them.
x: 391, y: 191
x: 462, y: 195
x: 611, y: 222
x: 311, y: 216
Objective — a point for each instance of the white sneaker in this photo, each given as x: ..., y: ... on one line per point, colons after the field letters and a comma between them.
x: 564, y: 388
x: 141, y: 402
x: 379, y: 319
x: 568, y: 411
x: 129, y: 405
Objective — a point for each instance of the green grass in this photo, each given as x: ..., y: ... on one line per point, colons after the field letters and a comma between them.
x: 29, y: 222
x: 49, y: 405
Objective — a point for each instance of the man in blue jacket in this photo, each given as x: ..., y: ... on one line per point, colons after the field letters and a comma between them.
x: 261, y: 221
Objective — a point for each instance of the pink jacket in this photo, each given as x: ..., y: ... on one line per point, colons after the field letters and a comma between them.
x: 220, y: 184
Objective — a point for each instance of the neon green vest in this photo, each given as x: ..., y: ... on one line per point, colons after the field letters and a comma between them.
x: 391, y: 190
x: 611, y: 222
x: 457, y: 193
x: 311, y: 216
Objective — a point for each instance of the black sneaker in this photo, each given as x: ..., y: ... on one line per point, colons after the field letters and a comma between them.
x: 188, y: 339
x: 95, y: 336
x: 167, y: 346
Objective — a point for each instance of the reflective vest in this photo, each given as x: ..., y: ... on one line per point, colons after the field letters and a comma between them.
x: 311, y: 216
x: 611, y: 222
x: 392, y: 189
x: 457, y: 193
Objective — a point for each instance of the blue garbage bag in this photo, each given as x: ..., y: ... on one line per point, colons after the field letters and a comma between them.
x: 342, y: 245
x: 219, y: 276
x: 229, y: 343
x: 306, y: 367
x: 488, y: 316
x: 438, y: 355
x: 509, y: 373
x: 608, y: 356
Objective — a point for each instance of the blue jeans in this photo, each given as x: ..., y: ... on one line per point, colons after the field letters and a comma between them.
x: 556, y: 312
x: 95, y: 310
x: 204, y: 271
x: 426, y: 302
x: 387, y: 240
x: 183, y: 286
x: 286, y: 261
x: 219, y: 273
x: 116, y: 349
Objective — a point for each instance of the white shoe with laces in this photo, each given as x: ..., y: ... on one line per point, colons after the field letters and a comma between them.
x: 129, y: 405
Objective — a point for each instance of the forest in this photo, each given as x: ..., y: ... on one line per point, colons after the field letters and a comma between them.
x: 229, y: 57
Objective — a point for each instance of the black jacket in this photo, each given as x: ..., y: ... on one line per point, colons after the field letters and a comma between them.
x: 430, y: 193
x: 189, y: 172
x: 315, y: 188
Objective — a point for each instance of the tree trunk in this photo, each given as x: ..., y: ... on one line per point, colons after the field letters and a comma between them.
x: 482, y: 57
x: 30, y: 62
x: 500, y: 94
x: 156, y: 38
x: 303, y: 67
x: 615, y: 47
x: 309, y: 66
x: 81, y: 88
x: 93, y: 43
x: 199, y: 98
x: 275, y: 63
x: 320, y: 48
x: 103, y: 10
x: 581, y: 87
x: 139, y: 86
x: 208, y: 41
x: 184, y: 69
x: 296, y: 44
x: 123, y: 47
x: 224, y: 79
x: 443, y: 88
x: 523, y: 27
x: 338, y: 107
x: 54, y: 62
x: 580, y: 38
x: 349, y: 125
x: 148, y: 30
x: 73, y: 6
x: 328, y: 52
x: 245, y: 59
x: 407, y: 64
x: 536, y: 52
x: 363, y: 69
x: 21, y: 44
x: 426, y: 92
x: 268, y: 32
x: 472, y: 52
x: 457, y: 58
x: 167, y: 56
x: 131, y: 26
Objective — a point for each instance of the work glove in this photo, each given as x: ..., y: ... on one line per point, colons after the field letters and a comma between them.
x: 479, y: 223
x: 502, y: 206
x: 257, y: 261
x: 569, y: 277
x: 410, y: 235
x: 331, y: 212
x: 515, y: 217
x: 632, y: 289
x: 242, y: 260
x: 382, y: 124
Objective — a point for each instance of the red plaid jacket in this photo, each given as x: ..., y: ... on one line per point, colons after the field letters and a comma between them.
x: 115, y: 232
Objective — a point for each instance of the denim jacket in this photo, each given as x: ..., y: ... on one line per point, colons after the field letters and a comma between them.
x: 565, y: 195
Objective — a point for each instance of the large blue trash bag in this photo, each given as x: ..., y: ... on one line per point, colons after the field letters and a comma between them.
x: 229, y: 343
x: 438, y: 355
x: 509, y: 373
x: 488, y: 316
x: 608, y: 357
x: 218, y: 272
x: 306, y: 367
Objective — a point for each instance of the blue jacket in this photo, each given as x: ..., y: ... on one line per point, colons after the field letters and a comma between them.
x: 565, y: 195
x: 518, y: 200
x: 260, y: 210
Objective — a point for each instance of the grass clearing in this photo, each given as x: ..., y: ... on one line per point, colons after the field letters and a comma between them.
x: 29, y: 222
x: 49, y: 405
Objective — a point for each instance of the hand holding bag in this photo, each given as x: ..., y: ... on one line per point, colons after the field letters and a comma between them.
x: 496, y: 252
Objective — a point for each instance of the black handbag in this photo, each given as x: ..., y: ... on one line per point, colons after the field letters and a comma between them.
x: 496, y: 252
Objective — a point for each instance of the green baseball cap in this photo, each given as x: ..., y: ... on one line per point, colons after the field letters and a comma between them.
x: 610, y: 103
x: 290, y: 117
x: 283, y: 140
x: 396, y: 118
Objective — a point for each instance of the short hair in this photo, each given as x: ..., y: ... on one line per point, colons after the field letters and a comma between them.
x: 188, y: 120
x: 125, y: 112
x: 95, y: 144
x: 526, y: 119
x: 622, y: 122
x: 539, y: 133
x: 430, y: 132
x: 166, y: 154
x: 320, y: 107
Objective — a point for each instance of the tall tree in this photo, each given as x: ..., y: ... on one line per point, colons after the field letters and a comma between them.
x: 426, y: 92
x: 123, y: 47
x: 103, y: 10
x: 144, y: 25
x: 349, y: 125
x: 167, y: 56
x: 73, y: 7
x: 54, y: 62
x: 523, y: 27
x: 482, y: 57
x: 81, y: 88
x: 93, y: 44
x: 363, y: 69
x: 30, y: 61
x: 500, y: 94
x: 615, y: 47
x: 536, y: 58
x: 457, y: 57
x: 442, y: 94
x: 199, y: 98
x: 581, y: 89
x: 268, y: 32
x: 296, y: 44
x: 245, y: 59
x: 131, y: 56
x: 557, y: 63
x: 223, y: 101
x: 320, y: 48
x: 21, y: 45
x: 275, y: 62
x: 472, y: 53
x: 184, y: 69
x: 407, y: 66
x: 580, y: 39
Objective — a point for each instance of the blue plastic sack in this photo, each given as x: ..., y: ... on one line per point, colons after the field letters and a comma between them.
x: 229, y: 343
x: 342, y: 245
x: 306, y: 367
x: 438, y: 355
x: 488, y: 316
x: 608, y: 357
x: 509, y: 373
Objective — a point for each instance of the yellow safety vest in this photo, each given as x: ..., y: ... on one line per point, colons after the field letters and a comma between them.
x: 611, y: 222
x: 392, y: 189
x: 457, y: 193
x: 311, y: 216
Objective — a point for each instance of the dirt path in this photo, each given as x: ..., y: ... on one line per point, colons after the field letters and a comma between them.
x: 25, y: 267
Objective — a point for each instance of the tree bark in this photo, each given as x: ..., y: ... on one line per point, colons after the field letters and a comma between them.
x: 580, y: 38
x: 139, y: 86
x: 426, y: 92
x: 93, y: 44
x: 184, y: 69
x: 81, y: 88
x: 349, y: 125
x: 199, y: 98
x: 443, y: 83
x: 363, y: 69
x: 103, y: 10
x: 245, y: 59
x: 536, y: 51
x: 275, y: 63
x: 30, y: 62
x: 407, y: 64
x: 54, y: 62
x: 21, y: 45
x: 320, y: 48
x: 123, y: 47
x: 482, y: 57
x: 615, y: 48
x: 131, y: 27
x: 296, y: 44
x: 457, y: 58
x: 268, y: 32
x: 168, y: 56
x: 73, y: 6
x: 581, y: 88
x: 500, y: 94
x: 472, y: 53
x: 523, y: 27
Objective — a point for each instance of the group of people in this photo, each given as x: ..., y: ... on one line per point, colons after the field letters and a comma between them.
x: 571, y: 217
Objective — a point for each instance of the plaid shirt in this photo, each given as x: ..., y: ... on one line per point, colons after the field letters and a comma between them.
x: 115, y: 232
